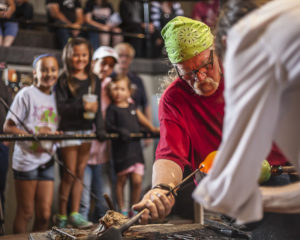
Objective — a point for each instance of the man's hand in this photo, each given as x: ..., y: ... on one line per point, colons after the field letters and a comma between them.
x: 157, y: 203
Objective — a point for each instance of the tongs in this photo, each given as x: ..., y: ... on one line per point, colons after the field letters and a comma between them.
x: 115, y: 233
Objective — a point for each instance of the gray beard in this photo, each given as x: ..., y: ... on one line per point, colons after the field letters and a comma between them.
x: 197, y: 85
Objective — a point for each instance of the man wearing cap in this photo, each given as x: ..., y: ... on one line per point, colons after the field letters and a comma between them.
x: 97, y: 175
x: 191, y: 112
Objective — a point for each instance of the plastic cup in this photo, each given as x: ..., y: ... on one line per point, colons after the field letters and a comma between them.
x: 89, y: 98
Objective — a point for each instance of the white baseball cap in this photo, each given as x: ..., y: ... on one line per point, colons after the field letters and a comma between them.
x: 105, y: 51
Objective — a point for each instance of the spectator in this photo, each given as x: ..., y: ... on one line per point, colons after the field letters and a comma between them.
x: 191, y: 112
x: 97, y: 174
x: 132, y: 15
x: 4, y: 146
x: 67, y: 13
x: 123, y: 117
x: 207, y: 12
x: 161, y: 13
x: 8, y: 30
x: 24, y: 11
x: 73, y: 83
x: 126, y: 54
x: 33, y: 165
x: 98, y: 14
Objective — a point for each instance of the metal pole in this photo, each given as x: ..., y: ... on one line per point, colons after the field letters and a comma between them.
x: 147, y: 33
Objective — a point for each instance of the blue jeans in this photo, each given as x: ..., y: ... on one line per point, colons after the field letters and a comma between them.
x: 63, y: 35
x: 96, y: 180
x: 93, y: 37
x: 4, y: 150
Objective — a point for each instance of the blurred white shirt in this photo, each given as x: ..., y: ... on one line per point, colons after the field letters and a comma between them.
x: 262, y: 95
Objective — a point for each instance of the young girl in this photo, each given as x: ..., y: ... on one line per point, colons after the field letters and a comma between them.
x: 124, y: 118
x: 75, y: 81
x: 32, y: 165
x: 97, y: 174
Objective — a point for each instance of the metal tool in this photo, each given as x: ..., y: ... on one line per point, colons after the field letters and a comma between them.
x: 225, y: 230
x: 115, y: 233
x: 172, y: 191
x: 65, y: 234
x: 109, y: 201
x: 232, y: 233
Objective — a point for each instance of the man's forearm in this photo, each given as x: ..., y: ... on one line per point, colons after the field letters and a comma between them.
x: 285, y: 199
x: 166, y: 171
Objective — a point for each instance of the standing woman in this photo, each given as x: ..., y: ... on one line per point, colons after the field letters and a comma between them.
x: 32, y: 162
x: 75, y: 81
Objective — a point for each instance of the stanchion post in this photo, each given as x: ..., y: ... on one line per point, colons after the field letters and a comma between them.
x: 198, y: 213
x: 147, y: 22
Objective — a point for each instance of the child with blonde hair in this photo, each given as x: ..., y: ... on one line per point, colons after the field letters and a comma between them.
x: 124, y: 118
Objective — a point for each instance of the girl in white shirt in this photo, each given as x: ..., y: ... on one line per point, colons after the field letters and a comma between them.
x: 32, y: 161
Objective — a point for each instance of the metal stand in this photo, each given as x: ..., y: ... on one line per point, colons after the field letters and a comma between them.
x: 147, y: 33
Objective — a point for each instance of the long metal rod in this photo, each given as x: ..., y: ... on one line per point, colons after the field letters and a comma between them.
x: 65, y: 26
x: 92, y: 136
x: 184, y: 180
x: 53, y: 156
x: 63, y: 233
x: 16, y: 116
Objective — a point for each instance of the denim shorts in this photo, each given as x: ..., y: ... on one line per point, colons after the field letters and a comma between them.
x: 75, y: 142
x: 9, y: 29
x: 43, y: 173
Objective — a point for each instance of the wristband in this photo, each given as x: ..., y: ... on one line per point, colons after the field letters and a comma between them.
x: 166, y: 187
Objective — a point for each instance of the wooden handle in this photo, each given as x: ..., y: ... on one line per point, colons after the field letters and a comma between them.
x: 108, y: 201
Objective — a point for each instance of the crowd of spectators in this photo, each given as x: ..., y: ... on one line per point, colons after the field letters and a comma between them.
x: 101, y: 24
x: 68, y: 19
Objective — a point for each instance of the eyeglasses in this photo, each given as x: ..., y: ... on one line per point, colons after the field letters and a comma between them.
x: 193, y: 74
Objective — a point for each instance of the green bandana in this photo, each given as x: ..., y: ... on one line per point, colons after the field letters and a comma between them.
x: 185, y: 38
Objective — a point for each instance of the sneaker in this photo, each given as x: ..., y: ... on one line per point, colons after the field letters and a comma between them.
x: 124, y: 212
x: 60, y: 221
x: 132, y: 213
x: 78, y: 221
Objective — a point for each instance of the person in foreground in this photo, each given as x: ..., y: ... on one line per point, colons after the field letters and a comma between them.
x: 191, y: 113
x: 262, y: 72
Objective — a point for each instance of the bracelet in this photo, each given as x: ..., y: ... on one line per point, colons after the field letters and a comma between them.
x: 166, y: 187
